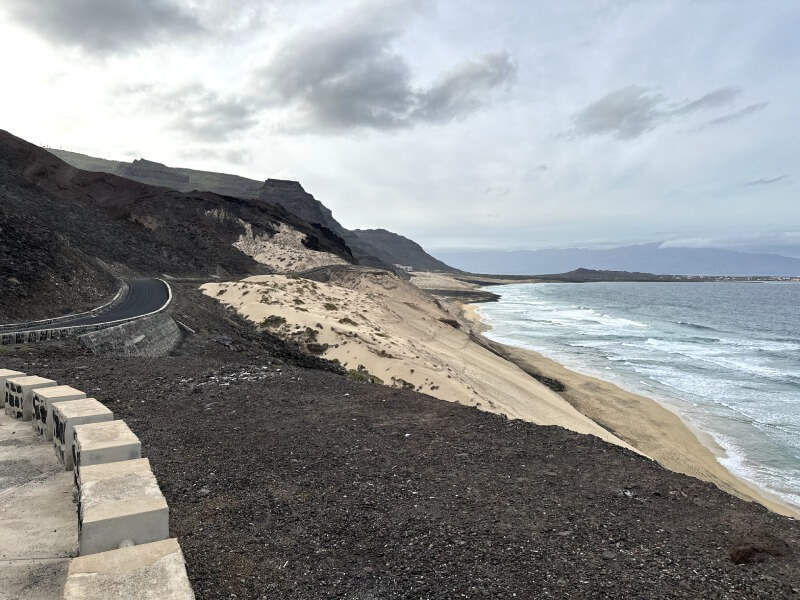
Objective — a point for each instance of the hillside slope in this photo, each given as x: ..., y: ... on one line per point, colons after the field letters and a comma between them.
x: 374, y: 247
x: 401, y: 250
x: 66, y: 233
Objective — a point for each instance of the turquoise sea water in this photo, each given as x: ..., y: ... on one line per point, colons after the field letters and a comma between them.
x: 725, y: 356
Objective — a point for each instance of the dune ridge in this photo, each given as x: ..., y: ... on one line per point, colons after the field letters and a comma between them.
x: 377, y: 325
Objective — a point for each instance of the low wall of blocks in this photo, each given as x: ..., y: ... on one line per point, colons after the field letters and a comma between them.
x: 123, y: 518
x: 19, y: 395
x: 43, y: 401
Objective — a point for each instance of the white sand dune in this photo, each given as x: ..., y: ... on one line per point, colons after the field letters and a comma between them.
x: 373, y: 321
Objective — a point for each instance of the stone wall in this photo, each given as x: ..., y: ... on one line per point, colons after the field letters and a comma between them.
x: 152, y: 336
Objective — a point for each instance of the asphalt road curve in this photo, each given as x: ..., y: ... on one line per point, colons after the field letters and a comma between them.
x: 144, y: 296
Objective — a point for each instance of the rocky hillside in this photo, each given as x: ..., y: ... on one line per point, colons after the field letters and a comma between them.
x: 403, y: 251
x: 66, y: 233
x: 373, y: 247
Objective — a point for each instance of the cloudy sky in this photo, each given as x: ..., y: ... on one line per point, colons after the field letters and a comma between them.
x: 508, y: 124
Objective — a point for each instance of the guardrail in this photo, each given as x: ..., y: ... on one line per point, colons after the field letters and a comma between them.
x: 56, y: 333
x: 117, y: 299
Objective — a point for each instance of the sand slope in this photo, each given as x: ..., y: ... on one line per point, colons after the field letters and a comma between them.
x: 284, y: 250
x: 372, y: 321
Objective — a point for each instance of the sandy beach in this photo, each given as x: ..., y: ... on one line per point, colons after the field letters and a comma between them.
x: 389, y: 331
x: 642, y: 422
x: 646, y: 425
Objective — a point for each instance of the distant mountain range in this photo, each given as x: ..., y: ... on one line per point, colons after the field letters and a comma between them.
x: 645, y: 258
x: 373, y: 247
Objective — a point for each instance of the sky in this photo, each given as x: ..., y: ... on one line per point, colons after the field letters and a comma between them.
x: 507, y: 124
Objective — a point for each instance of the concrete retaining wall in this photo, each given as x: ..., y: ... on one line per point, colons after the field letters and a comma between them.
x: 10, y: 334
x: 150, y: 336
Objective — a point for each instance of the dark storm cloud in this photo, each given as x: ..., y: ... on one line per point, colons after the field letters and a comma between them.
x: 104, y: 26
x: 764, y: 181
x: 634, y: 110
x: 341, y: 77
x: 348, y: 76
x: 211, y: 117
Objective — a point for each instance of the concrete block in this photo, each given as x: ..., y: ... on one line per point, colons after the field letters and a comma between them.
x: 120, y: 502
x: 101, y: 443
x: 19, y: 395
x: 43, y: 400
x: 155, y: 571
x: 68, y: 414
x: 5, y: 374
x: 136, y: 466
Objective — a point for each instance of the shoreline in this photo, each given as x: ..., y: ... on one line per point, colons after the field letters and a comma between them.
x: 646, y: 424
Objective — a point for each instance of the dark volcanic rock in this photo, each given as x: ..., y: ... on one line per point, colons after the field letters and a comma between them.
x: 757, y: 546
x: 399, y: 250
x: 155, y: 174
x: 292, y: 196
x: 66, y: 231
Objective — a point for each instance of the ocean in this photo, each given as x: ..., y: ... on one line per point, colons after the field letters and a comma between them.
x: 725, y: 356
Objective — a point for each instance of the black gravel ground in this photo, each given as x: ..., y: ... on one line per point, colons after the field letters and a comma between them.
x: 286, y: 482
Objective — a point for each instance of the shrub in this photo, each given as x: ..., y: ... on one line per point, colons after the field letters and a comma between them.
x: 363, y: 376
x: 273, y: 321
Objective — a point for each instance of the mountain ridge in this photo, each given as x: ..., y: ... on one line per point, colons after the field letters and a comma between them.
x: 367, y: 245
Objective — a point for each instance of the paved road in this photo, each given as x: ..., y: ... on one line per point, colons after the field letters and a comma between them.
x: 144, y: 296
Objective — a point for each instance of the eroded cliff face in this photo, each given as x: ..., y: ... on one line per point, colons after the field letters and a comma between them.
x: 292, y: 196
x: 400, y: 250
